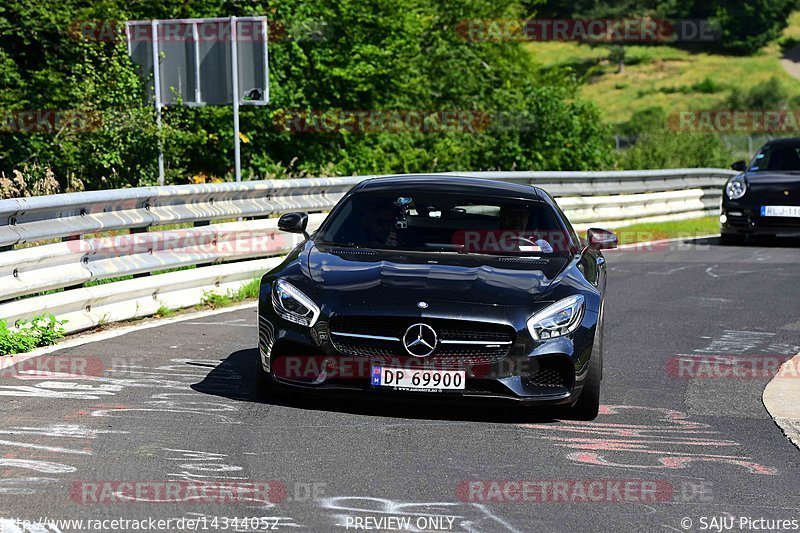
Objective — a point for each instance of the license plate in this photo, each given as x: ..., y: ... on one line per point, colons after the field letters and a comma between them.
x: 418, y: 380
x: 780, y: 210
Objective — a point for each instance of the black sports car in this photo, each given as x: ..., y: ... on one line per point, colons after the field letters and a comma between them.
x: 765, y: 198
x: 439, y: 287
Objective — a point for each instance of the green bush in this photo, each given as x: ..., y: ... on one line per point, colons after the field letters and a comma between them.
x: 771, y: 95
x: 707, y: 86
x: 657, y: 146
x: 27, y: 336
x: 669, y: 149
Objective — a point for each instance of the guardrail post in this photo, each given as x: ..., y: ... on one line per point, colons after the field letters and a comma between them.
x: 201, y: 224
x: 68, y: 239
x: 134, y: 231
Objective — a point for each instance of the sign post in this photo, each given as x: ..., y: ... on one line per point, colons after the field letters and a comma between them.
x: 199, y: 62
x: 237, y: 155
x: 157, y: 98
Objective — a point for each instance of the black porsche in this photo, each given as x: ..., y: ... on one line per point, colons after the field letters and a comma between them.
x: 443, y: 288
x: 765, y: 198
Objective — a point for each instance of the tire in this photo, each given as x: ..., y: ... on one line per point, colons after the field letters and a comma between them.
x: 732, y: 239
x: 588, y: 405
x: 265, y: 387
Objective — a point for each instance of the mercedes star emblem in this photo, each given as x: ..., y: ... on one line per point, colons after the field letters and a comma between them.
x: 420, y: 340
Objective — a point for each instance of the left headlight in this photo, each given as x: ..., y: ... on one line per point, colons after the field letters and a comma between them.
x: 560, y: 318
x: 736, y: 187
x: 293, y: 305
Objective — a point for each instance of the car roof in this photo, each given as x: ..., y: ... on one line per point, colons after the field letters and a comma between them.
x: 453, y: 183
x: 787, y: 140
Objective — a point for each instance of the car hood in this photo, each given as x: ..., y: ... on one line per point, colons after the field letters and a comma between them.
x: 778, y: 188
x: 773, y: 178
x: 379, y: 276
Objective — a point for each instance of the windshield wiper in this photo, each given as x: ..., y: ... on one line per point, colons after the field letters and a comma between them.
x: 342, y: 244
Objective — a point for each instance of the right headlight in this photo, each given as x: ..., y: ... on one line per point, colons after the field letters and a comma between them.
x: 560, y: 318
x: 736, y: 187
x: 292, y: 305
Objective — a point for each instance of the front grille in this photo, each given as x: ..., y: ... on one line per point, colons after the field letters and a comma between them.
x: 738, y: 222
x: 548, y: 377
x: 777, y: 222
x: 752, y: 219
x: 364, y: 347
x: 495, y: 340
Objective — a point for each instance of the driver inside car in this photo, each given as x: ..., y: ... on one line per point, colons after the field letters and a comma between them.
x: 380, y: 227
x: 516, y: 220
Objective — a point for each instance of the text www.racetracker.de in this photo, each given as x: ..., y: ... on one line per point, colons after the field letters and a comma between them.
x: 200, y: 523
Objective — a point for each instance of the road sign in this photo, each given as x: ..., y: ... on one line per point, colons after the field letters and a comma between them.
x: 219, y: 61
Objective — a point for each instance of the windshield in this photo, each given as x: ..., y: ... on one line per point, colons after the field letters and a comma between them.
x: 427, y: 221
x: 778, y: 157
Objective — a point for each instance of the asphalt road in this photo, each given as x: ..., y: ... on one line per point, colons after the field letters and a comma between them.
x: 176, y: 404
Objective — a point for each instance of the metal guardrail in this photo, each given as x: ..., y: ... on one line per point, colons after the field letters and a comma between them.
x: 133, y: 241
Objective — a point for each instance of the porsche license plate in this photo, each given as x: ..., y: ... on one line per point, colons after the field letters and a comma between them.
x: 780, y: 210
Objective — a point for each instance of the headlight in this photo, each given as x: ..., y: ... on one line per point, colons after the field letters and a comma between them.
x: 293, y: 305
x: 558, y: 319
x: 736, y: 187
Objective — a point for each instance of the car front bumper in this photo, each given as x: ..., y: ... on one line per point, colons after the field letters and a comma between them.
x: 549, y: 372
x: 744, y: 218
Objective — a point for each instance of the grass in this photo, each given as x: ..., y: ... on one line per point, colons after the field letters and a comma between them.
x: 665, y: 76
x: 668, y: 230
x: 164, y: 312
x: 247, y: 291
x: 105, y: 281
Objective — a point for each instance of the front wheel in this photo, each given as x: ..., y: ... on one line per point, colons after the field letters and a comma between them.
x: 588, y: 405
x: 265, y: 387
x: 732, y: 239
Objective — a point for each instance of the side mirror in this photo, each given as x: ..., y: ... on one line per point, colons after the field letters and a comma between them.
x: 601, y: 239
x: 293, y: 223
x: 739, y: 166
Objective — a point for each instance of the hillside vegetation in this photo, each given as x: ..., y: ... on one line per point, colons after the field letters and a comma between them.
x: 668, y: 77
